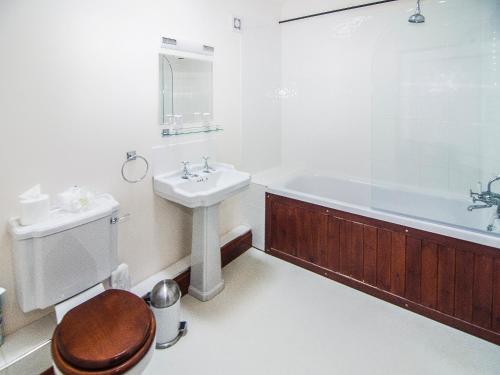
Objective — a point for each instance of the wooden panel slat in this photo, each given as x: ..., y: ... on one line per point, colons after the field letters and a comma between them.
x: 464, y: 277
x: 496, y: 297
x: 413, y: 268
x: 280, y: 222
x: 305, y: 249
x: 398, y: 263
x: 345, y: 247
x: 319, y: 231
x: 333, y: 256
x: 370, y: 255
x: 311, y: 235
x: 482, y: 294
x: 429, y: 274
x: 357, y: 251
x: 384, y: 250
x: 446, y: 279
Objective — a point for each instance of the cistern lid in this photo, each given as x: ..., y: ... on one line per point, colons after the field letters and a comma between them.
x: 59, y: 220
x: 104, y: 332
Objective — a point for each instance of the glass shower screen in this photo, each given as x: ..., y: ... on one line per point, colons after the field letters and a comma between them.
x: 436, y: 114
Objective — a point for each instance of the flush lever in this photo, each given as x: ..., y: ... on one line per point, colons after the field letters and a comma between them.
x: 120, y: 219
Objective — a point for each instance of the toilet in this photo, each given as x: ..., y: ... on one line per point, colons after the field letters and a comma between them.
x: 63, y: 261
x: 112, y: 333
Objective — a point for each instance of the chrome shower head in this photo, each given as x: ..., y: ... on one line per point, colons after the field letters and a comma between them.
x: 417, y: 17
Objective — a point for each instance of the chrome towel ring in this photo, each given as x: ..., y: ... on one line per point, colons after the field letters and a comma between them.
x: 132, y: 156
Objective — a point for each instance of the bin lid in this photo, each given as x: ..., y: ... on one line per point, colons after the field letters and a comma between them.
x: 165, y: 294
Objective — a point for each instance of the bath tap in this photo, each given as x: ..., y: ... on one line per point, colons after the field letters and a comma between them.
x: 489, y: 199
x: 491, y: 183
x: 478, y: 206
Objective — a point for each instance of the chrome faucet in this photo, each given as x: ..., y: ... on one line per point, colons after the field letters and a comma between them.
x: 186, y: 172
x: 491, y: 183
x: 489, y: 199
x: 206, y: 167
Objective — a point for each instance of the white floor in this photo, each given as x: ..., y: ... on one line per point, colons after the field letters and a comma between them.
x: 275, y: 318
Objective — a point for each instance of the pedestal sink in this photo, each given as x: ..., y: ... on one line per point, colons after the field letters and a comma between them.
x: 203, y: 192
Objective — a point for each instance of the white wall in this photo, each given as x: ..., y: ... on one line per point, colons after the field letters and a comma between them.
x: 79, y: 88
x: 261, y: 59
x: 327, y: 65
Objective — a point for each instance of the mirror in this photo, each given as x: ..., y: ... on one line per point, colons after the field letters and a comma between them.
x: 186, y: 91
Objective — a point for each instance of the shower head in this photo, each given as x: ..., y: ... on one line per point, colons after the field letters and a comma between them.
x: 417, y: 17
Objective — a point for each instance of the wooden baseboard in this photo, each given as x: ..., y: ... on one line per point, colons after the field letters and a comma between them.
x: 229, y: 252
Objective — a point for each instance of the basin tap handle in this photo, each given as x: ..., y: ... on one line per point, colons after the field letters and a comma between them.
x: 185, y: 169
x: 206, y: 167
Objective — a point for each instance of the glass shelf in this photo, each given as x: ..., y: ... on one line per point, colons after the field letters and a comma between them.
x: 193, y: 130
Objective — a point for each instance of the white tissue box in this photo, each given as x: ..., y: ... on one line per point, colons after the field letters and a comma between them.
x: 34, y: 210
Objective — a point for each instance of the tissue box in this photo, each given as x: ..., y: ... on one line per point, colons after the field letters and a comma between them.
x: 34, y: 210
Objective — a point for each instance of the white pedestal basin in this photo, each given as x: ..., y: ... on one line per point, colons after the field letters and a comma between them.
x: 203, y: 192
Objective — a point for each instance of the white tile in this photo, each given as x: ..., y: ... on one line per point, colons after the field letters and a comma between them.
x: 254, y: 217
x: 253, y: 212
x: 3, y: 363
x: 275, y: 318
x: 33, y: 363
x: 434, y: 177
x: 28, y: 338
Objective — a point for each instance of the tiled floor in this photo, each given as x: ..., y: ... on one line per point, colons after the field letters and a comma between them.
x: 275, y: 318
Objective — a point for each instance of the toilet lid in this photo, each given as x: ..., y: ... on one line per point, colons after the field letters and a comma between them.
x: 105, y: 331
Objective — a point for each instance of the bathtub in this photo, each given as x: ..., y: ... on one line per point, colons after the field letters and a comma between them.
x: 405, y: 208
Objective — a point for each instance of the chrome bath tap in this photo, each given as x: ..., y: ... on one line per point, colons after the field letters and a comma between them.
x: 488, y: 199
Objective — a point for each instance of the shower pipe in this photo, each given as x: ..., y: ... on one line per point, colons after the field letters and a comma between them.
x: 336, y: 10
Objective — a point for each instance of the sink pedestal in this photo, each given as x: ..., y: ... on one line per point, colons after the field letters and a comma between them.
x: 206, y: 269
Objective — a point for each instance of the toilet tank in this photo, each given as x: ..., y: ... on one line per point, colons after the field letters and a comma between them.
x: 65, y: 255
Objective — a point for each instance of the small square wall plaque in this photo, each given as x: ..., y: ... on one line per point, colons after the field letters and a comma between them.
x: 237, y: 24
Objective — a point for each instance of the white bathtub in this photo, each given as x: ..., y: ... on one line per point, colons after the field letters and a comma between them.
x: 356, y: 197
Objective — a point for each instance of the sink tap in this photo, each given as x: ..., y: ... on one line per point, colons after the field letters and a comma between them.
x: 186, y: 172
x: 206, y: 167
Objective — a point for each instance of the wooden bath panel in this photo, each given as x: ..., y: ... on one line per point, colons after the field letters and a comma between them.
x: 451, y: 281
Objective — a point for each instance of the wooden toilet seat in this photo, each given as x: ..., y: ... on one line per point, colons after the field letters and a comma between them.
x: 108, y: 334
